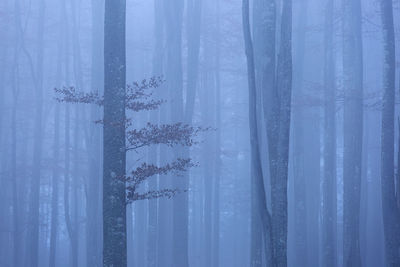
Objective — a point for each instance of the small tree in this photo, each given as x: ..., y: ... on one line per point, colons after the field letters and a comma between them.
x: 139, y: 97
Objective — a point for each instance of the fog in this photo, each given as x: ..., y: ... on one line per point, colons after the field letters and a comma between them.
x: 202, y: 133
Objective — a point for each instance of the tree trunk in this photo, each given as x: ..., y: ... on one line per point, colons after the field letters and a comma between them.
x: 93, y: 226
x: 15, y: 93
x: 391, y: 214
x: 54, y: 194
x: 217, y: 152
x: 299, y: 147
x: 329, y: 225
x: 174, y: 16
x: 353, y: 125
x: 279, y: 182
x: 260, y: 216
x: 153, y: 207
x: 33, y: 228
x: 114, y: 155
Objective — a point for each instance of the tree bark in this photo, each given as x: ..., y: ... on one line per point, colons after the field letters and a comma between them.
x: 153, y: 207
x: 217, y: 152
x: 301, y: 209
x: 33, y: 228
x: 260, y: 216
x: 279, y: 182
x: 329, y: 220
x: 353, y: 125
x: 391, y: 214
x: 114, y: 155
x: 174, y: 16
x: 93, y: 226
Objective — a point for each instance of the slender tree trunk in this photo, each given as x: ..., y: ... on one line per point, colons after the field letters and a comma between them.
x: 151, y: 249
x: 218, y: 162
x: 54, y: 195
x: 67, y: 179
x: 329, y: 220
x: 33, y: 228
x: 139, y: 233
x: 206, y: 104
x: 194, y: 23
x: 153, y: 207
x: 391, y: 214
x: 114, y: 155
x: 207, y: 163
x: 55, y: 174
x: 56, y: 151
x: 74, y: 220
x: 194, y: 11
x: 77, y: 71
x: 14, y: 177
x: 353, y: 125
x: 174, y: 16
x: 93, y: 239
x: 299, y: 148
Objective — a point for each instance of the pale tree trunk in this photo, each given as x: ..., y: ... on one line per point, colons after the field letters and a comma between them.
x: 114, y: 156
x: 67, y: 179
x: 174, y: 16
x: 33, y: 227
x: 153, y: 207
x: 55, y: 171
x: 298, y: 154
x: 77, y: 70
x: 353, y: 125
x: 193, y: 18
x: 206, y: 104
x: 15, y: 92
x: 16, y: 223
x: 391, y: 214
x: 329, y: 220
x: 93, y: 213
x: 164, y: 229
x: 194, y: 11
x: 54, y: 194
x: 67, y: 134
x: 217, y: 152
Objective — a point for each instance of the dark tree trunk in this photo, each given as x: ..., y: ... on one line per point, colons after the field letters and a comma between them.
x: 114, y: 155
x: 260, y: 216
x: 391, y: 214
x: 279, y: 182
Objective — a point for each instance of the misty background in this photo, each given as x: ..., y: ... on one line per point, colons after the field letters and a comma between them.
x: 51, y: 152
